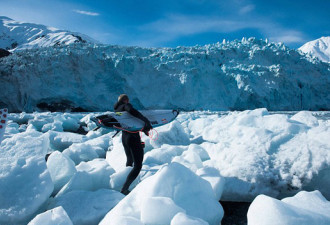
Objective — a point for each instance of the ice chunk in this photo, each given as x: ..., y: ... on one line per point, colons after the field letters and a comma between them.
x: 197, y: 126
x: 190, y: 160
x: 172, y: 134
x: 71, y: 122
x: 312, y: 201
x: 200, y: 151
x: 186, y: 189
x: 80, y: 152
x: 213, y: 176
x: 21, y: 118
x: 305, y: 208
x: 25, y: 187
x: 24, y: 178
x: 305, y: 117
x: 184, y: 219
x: 61, y: 169
x: 127, y: 220
x: 164, y: 154
x: 159, y: 210
x: 266, y: 143
x: 90, y: 176
x: 11, y: 129
x: 56, y: 216
x: 89, y: 150
x: 304, y: 161
x: 55, y: 126
x: 87, y: 207
x: 40, y: 120
x: 116, y: 157
x: 62, y: 140
x: 25, y: 145
x: 118, y: 179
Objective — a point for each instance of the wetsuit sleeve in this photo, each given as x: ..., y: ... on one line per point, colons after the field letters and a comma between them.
x: 129, y: 108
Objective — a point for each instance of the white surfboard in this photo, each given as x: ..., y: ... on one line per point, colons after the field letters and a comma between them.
x: 3, y: 122
x: 125, y: 121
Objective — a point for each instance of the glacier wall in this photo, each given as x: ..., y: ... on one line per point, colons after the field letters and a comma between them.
x: 235, y: 75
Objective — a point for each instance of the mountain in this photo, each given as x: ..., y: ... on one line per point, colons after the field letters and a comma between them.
x: 235, y: 75
x: 319, y: 48
x: 19, y: 35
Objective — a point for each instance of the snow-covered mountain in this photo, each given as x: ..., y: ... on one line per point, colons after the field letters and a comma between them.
x: 319, y: 48
x: 233, y: 75
x: 20, y: 35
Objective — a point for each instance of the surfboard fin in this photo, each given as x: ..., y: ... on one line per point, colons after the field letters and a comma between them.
x: 116, y: 133
x: 96, y: 128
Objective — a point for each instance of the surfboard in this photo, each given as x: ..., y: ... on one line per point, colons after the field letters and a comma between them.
x: 125, y: 121
x: 3, y: 122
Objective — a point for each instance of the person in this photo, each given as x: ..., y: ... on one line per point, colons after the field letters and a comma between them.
x: 132, y: 141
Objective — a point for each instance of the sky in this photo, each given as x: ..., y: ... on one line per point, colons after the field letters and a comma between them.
x: 171, y: 23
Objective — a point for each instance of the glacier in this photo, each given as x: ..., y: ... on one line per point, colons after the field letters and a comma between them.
x: 235, y: 75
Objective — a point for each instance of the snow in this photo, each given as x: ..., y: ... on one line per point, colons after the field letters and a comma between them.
x: 319, y: 48
x: 304, y: 208
x: 203, y: 157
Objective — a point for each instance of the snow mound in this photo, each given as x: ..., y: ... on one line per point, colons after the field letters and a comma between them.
x: 174, y: 181
x: 304, y: 208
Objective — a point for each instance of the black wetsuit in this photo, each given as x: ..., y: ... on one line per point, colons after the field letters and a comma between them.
x: 132, y: 144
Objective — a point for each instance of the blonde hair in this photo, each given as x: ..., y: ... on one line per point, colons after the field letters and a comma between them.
x: 122, y: 97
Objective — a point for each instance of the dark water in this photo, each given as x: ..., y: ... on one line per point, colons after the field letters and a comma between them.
x: 235, y: 213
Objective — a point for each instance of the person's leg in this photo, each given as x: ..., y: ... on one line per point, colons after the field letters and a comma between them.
x: 128, y: 152
x: 137, y: 152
